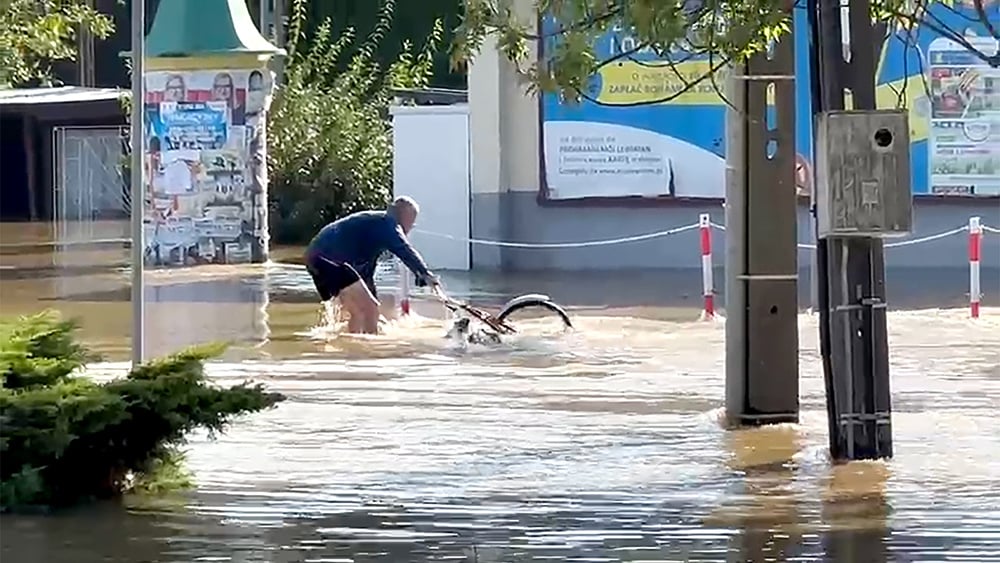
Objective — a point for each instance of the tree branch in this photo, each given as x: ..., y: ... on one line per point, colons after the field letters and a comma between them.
x: 981, y: 12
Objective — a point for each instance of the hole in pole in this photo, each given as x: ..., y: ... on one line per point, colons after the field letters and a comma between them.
x: 771, y: 114
x: 774, y: 309
x: 772, y: 148
x: 883, y: 137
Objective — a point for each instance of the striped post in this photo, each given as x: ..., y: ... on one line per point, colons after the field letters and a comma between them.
x: 404, y: 288
x: 975, y: 251
x: 707, y: 283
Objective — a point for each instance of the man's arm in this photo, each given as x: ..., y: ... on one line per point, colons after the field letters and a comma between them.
x: 400, y: 246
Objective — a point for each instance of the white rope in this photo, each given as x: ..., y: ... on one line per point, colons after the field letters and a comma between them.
x: 607, y: 242
x: 81, y: 242
x: 911, y: 242
x: 584, y: 244
x: 927, y: 238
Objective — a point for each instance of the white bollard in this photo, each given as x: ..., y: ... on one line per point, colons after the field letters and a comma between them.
x: 707, y: 283
x: 975, y: 251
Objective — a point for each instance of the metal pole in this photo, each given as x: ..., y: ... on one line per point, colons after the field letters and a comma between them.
x: 851, y: 271
x: 279, y: 23
x: 279, y: 39
x: 138, y: 196
x: 262, y: 21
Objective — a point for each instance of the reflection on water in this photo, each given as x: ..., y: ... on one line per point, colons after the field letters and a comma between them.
x: 603, y: 444
x: 856, y: 512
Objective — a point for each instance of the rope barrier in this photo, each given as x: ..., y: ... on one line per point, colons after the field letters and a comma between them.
x: 529, y: 245
x: 975, y: 230
x: 585, y: 244
x: 704, y: 225
x: 910, y: 242
x: 82, y: 242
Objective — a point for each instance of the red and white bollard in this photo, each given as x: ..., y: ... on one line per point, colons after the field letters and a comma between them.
x: 707, y: 283
x: 975, y: 251
x: 404, y: 288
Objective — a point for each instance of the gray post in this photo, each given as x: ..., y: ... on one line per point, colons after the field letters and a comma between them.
x: 813, y: 270
x: 278, y: 63
x: 262, y: 18
x: 736, y: 205
x: 279, y: 23
x: 762, y: 344
x: 138, y: 191
x: 851, y: 272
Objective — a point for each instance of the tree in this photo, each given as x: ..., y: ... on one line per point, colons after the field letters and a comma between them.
x: 725, y: 30
x: 328, y: 132
x: 36, y: 33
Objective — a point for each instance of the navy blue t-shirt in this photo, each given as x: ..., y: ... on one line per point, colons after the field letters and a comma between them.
x: 360, y: 238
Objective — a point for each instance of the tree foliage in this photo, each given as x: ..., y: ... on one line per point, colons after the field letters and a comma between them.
x: 65, y: 437
x: 412, y: 21
x: 36, y: 33
x: 329, y: 135
x: 727, y: 30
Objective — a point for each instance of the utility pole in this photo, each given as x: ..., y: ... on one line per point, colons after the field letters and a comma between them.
x: 851, y: 269
x: 762, y: 338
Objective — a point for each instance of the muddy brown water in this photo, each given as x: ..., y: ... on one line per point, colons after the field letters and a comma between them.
x: 603, y: 444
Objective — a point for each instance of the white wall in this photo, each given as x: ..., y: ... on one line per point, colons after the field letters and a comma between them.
x: 431, y: 164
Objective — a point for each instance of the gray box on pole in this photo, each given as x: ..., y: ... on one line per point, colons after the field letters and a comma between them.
x: 863, y: 174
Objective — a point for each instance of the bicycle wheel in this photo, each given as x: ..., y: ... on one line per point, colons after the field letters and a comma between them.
x: 535, y: 302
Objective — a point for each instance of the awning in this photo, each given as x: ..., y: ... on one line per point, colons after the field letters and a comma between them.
x: 56, y: 95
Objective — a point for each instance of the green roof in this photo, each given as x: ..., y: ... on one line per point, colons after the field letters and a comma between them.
x: 190, y: 28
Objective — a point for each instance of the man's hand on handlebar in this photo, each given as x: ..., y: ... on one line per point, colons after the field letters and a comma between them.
x: 434, y: 283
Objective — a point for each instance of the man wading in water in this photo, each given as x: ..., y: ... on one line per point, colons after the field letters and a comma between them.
x: 342, y: 257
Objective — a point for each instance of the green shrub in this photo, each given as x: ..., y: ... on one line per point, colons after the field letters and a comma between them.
x: 65, y: 438
x: 329, y: 136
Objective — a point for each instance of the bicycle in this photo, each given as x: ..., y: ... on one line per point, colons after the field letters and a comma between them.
x: 498, y: 324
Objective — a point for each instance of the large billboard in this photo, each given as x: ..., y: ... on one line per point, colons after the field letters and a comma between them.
x: 615, y: 144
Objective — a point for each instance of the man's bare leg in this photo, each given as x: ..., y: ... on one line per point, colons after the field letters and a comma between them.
x: 363, y: 308
x: 387, y: 308
x: 355, y: 323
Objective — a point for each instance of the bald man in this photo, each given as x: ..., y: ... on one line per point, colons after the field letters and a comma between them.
x: 342, y: 257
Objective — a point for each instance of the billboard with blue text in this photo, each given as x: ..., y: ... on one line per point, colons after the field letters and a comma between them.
x: 656, y: 129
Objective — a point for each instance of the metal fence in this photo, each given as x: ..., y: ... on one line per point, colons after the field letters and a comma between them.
x: 91, y: 201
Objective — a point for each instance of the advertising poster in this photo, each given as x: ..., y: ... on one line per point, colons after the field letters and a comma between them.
x: 964, y: 136
x: 648, y: 128
x: 206, y: 194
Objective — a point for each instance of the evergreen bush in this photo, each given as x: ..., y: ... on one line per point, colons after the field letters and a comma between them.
x: 65, y: 438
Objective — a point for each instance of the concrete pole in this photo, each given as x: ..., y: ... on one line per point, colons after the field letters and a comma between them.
x: 736, y: 186
x: 762, y: 345
x: 851, y: 276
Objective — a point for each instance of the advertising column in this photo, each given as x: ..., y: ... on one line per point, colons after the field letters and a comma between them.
x: 207, y: 188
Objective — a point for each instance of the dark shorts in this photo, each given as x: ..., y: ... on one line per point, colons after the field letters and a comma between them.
x: 329, y: 277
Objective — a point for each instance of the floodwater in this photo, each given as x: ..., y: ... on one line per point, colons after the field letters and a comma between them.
x: 603, y: 444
